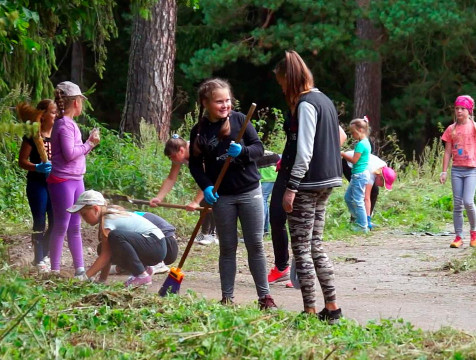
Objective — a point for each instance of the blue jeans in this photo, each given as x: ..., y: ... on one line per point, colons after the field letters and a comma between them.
x: 248, y: 207
x: 463, y: 183
x: 40, y: 205
x: 354, y: 198
x: 266, y: 189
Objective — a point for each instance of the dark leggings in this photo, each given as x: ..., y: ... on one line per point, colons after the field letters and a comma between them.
x: 373, y: 193
x: 40, y: 205
x: 277, y: 220
x: 133, y: 251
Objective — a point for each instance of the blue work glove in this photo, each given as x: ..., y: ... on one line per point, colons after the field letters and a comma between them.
x: 209, y: 196
x: 234, y: 150
x: 44, y: 168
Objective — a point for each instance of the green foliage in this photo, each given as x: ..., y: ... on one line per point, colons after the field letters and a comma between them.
x: 30, y: 32
x: 269, y: 127
x: 85, y: 320
x: 415, y: 204
x: 425, y: 63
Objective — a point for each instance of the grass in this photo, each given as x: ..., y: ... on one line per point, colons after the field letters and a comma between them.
x: 77, y: 320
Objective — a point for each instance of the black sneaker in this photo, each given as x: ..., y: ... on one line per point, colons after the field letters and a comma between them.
x: 226, y: 301
x: 330, y: 316
x: 266, y: 303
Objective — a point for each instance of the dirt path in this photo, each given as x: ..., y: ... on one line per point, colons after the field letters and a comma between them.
x: 383, y: 276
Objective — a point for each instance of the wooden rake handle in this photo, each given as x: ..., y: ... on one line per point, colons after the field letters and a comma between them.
x: 215, y: 188
x: 117, y: 197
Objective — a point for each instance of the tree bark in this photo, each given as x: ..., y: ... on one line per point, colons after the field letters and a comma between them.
x: 77, y: 63
x: 151, y: 70
x: 368, y: 74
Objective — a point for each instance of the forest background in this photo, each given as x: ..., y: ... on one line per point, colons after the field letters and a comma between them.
x: 402, y: 63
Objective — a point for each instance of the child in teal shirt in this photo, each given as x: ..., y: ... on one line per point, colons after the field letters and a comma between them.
x: 355, y: 194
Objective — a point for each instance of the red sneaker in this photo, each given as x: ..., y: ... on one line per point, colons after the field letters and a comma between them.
x: 472, y: 243
x: 275, y: 275
x: 289, y: 285
x: 457, y: 242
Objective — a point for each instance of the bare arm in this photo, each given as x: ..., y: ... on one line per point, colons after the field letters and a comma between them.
x: 103, y: 260
x: 342, y: 135
x: 196, y: 201
x: 167, y: 185
x: 447, y: 156
x: 23, y: 157
x: 446, y: 161
x: 352, y: 159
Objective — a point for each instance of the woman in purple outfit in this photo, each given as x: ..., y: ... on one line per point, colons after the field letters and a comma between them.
x: 65, y: 182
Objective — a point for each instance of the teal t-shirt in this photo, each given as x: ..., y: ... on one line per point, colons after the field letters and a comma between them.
x: 363, y: 147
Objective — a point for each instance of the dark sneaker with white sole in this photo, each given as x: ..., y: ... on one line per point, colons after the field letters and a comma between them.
x: 330, y: 316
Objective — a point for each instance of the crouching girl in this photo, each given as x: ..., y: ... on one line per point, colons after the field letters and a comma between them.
x: 127, y: 239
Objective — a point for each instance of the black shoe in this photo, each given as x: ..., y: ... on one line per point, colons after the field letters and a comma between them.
x: 266, y: 302
x: 330, y: 316
x: 227, y: 301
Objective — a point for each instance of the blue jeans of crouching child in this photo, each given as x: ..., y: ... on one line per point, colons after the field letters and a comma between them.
x: 354, y: 198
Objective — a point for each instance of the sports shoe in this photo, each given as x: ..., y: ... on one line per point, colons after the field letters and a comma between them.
x: 226, y: 301
x: 42, y: 268
x: 159, y: 268
x: 330, y: 316
x: 289, y: 285
x: 47, y: 261
x: 472, y: 243
x: 207, y: 239
x: 135, y: 281
x: 266, y: 303
x: 275, y: 275
x: 81, y: 276
x: 457, y: 242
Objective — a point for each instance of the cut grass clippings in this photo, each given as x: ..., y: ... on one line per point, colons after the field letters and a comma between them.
x: 74, y: 320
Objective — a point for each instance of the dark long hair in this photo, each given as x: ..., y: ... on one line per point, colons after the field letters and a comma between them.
x: 297, y: 75
x: 205, y: 93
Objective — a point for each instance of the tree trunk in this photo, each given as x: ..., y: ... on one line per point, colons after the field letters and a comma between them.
x: 77, y: 63
x: 151, y: 70
x: 368, y: 75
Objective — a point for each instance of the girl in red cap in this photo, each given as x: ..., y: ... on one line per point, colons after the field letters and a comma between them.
x: 460, y: 145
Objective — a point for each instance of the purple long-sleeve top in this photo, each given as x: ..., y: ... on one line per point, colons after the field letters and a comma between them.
x: 68, y: 153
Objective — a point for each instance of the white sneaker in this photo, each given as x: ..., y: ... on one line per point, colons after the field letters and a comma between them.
x: 208, y: 239
x: 199, y: 237
x: 42, y: 268
x: 47, y: 261
x: 159, y: 268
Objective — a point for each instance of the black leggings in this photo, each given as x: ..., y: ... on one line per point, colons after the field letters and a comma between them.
x: 133, y: 251
x: 277, y: 220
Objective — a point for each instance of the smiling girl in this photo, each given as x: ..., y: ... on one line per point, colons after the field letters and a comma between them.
x: 239, y: 195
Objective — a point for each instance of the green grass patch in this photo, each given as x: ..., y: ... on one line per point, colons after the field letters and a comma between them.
x: 45, y: 319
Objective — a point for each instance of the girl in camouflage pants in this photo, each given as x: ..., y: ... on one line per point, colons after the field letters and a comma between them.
x: 312, y: 166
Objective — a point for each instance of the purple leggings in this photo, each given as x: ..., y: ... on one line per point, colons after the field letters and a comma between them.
x: 64, y: 195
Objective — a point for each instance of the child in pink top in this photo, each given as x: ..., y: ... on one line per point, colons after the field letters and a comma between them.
x: 65, y: 182
x: 460, y: 145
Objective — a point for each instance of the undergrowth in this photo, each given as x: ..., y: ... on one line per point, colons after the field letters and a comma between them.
x: 66, y: 319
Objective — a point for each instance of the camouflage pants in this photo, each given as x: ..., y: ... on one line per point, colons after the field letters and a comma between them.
x: 306, y: 226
